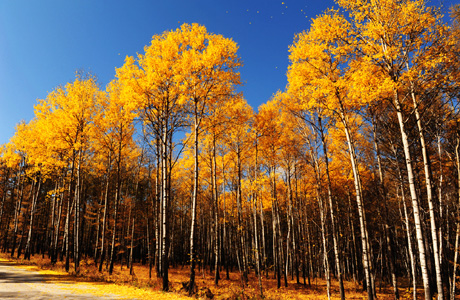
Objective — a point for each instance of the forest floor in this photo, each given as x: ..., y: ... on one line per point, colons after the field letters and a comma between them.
x: 138, y: 286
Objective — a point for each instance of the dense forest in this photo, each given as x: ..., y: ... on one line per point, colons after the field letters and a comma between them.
x: 352, y: 172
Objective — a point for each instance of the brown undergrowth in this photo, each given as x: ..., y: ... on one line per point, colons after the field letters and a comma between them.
x: 140, y: 286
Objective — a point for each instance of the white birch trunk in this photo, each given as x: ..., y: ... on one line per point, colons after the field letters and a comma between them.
x: 429, y: 193
x: 414, y: 199
x: 361, y: 212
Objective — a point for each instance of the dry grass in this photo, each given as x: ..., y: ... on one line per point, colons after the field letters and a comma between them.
x: 139, y: 285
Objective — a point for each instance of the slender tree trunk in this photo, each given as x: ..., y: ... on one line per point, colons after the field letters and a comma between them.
x: 296, y: 236
x: 414, y: 198
x: 58, y: 225
x: 276, y: 261
x: 409, y: 240
x: 454, y: 273
x: 55, y: 206
x: 258, y: 269
x: 239, y: 216
x: 131, y: 250
x: 4, y: 192
x: 317, y: 174
x: 119, y: 160
x: 17, y: 209
x: 164, y: 207
x: 194, y: 200
x: 98, y: 229
x: 457, y: 234
x: 24, y: 224
x: 68, y: 215
x: 104, y: 218
x: 216, y: 211
x: 256, y: 238
x: 408, y: 230
x: 115, y: 219
x: 386, y: 226
x: 429, y: 193
x: 159, y: 207
x: 359, y: 200
x: 288, y: 217
x: 441, y: 217
x: 280, y: 243
x: 53, y: 220
x: 323, y: 229
x: 27, y: 251
x: 310, y: 251
x: 149, y: 247
x: 353, y: 235
x: 331, y: 210
x: 264, y: 253
x: 76, y: 242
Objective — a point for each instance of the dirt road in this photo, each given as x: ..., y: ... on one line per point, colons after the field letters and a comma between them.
x: 19, y: 283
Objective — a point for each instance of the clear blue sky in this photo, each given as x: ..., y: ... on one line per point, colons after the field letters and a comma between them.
x: 43, y: 42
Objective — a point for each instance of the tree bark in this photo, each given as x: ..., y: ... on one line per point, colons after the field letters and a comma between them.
x: 317, y: 174
x: 359, y: 200
x: 115, y: 217
x: 35, y: 195
x: 215, y: 194
x: 256, y: 238
x: 131, y: 272
x: 76, y: 242
x: 414, y: 198
x: 58, y: 225
x: 194, y: 201
x: 275, y: 231
x: 165, y: 194
x: 239, y: 214
x: 457, y: 234
x: 429, y: 193
x: 327, y: 272
x: 17, y: 208
x: 104, y: 218
x: 68, y: 215
x: 386, y: 226
x: 331, y: 210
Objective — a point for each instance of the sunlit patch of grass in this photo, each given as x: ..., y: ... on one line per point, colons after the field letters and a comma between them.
x: 140, y: 286
x: 52, y: 272
x: 128, y: 292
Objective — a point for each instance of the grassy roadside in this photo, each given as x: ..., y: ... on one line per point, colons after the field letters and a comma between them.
x: 85, y: 283
x: 140, y: 286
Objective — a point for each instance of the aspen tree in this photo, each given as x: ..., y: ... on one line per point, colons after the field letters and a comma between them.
x: 403, y: 42
x: 237, y: 139
x: 270, y: 143
x: 208, y: 64
x: 74, y: 107
x: 319, y: 76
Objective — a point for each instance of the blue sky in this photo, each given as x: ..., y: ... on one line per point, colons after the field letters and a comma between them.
x: 43, y: 43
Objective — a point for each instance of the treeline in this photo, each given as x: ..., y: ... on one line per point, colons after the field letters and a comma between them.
x: 352, y: 172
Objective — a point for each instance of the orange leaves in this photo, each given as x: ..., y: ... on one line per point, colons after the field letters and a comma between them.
x: 179, y: 67
x: 9, y: 155
x: 269, y: 130
x: 318, y: 75
x: 395, y: 35
x: 73, y: 108
x: 364, y: 58
x: 114, y: 127
x: 63, y: 124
